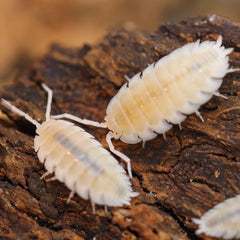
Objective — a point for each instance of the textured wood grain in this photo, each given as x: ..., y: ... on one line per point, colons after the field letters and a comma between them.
x: 178, y: 178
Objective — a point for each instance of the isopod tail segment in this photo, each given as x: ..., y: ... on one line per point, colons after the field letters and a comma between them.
x: 70, y: 153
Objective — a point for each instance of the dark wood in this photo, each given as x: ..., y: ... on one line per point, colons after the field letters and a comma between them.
x: 178, y: 178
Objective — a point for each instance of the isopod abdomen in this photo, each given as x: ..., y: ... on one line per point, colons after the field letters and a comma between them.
x: 81, y: 162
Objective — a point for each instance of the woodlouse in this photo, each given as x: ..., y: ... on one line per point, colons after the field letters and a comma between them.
x: 223, y: 220
x: 164, y: 93
x: 78, y: 160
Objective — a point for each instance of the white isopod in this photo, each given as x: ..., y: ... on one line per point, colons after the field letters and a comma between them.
x: 164, y: 93
x: 221, y: 221
x: 78, y: 160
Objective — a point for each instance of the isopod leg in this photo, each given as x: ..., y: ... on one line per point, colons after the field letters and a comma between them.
x: 164, y: 136
x: 44, y: 175
x: 199, y: 115
x: 49, y: 100
x: 79, y: 120
x: 218, y: 94
x: 119, y: 154
x: 70, y: 196
x: 51, y: 179
x: 127, y: 78
x: 105, y: 208
x: 230, y: 70
x: 93, y: 208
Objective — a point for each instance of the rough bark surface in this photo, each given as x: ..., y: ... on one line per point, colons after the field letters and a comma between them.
x: 178, y: 178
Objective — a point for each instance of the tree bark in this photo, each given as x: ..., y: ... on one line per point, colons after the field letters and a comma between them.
x: 178, y: 178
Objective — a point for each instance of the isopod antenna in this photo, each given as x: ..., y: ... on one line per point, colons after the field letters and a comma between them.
x: 19, y: 112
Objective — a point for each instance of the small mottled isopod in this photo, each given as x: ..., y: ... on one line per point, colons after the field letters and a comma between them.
x: 78, y: 160
x: 164, y: 93
x: 223, y: 220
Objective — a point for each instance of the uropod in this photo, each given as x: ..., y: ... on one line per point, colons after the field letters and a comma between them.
x: 78, y: 160
x: 164, y: 93
x: 223, y: 220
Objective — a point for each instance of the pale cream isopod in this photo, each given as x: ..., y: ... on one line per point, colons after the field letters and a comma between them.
x: 164, y: 93
x: 78, y: 160
x: 223, y: 220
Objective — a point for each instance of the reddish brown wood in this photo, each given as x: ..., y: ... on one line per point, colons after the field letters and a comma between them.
x: 178, y: 178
